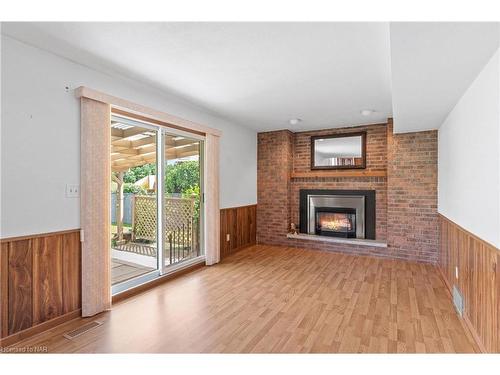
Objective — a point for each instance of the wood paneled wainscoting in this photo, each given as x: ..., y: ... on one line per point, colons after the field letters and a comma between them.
x: 238, y: 227
x: 40, y: 283
x: 478, y: 280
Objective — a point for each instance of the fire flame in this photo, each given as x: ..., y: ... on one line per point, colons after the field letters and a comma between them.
x: 336, y: 223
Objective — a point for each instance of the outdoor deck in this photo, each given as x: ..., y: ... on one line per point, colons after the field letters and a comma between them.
x: 122, y: 270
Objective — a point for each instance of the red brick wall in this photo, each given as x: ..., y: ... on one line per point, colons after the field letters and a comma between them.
x: 376, y: 146
x: 406, y: 201
x: 274, y: 165
x: 412, y: 195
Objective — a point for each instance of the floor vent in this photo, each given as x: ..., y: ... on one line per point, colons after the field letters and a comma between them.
x: 458, y: 300
x: 81, y: 330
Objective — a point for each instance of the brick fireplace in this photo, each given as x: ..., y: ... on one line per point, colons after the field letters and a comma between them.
x: 401, y: 171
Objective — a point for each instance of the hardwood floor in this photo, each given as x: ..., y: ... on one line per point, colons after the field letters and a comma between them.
x: 275, y: 299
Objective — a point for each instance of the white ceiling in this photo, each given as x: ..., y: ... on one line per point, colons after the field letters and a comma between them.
x: 263, y: 74
x: 432, y: 65
x: 258, y: 74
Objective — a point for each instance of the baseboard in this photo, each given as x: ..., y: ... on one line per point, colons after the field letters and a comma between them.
x: 39, y: 328
x: 474, y: 334
x: 464, y: 320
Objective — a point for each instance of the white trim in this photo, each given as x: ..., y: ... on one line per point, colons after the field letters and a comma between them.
x: 160, y: 199
x: 134, y: 282
x: 184, y: 264
x: 182, y: 133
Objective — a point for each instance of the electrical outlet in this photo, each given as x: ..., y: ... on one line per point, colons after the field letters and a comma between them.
x: 72, y: 191
x: 456, y: 273
x: 228, y: 237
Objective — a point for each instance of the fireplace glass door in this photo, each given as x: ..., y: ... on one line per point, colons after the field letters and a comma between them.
x: 335, y: 222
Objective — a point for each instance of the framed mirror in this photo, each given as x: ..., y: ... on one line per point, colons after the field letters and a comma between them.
x: 339, y: 151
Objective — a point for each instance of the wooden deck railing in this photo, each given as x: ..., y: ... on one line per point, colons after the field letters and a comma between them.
x: 183, y: 242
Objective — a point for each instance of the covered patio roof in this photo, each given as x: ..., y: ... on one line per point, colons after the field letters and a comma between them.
x: 133, y: 146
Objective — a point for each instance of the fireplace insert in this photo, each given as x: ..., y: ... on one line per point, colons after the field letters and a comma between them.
x: 354, y: 213
x: 335, y: 221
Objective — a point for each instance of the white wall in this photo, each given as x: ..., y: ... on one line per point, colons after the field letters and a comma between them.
x: 469, y: 157
x: 40, y: 138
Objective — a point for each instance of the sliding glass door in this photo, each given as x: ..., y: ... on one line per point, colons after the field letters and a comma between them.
x: 183, y: 191
x: 156, y: 202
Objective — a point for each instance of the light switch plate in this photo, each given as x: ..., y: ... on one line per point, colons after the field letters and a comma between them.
x: 228, y: 237
x: 72, y: 191
x: 456, y: 273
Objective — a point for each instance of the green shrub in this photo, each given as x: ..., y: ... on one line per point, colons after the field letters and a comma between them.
x: 182, y: 176
x: 194, y: 192
x: 131, y: 188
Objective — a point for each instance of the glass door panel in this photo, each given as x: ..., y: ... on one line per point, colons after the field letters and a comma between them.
x: 182, y: 210
x: 133, y: 202
x: 153, y: 225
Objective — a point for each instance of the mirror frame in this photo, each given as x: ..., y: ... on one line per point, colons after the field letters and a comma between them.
x: 343, y: 135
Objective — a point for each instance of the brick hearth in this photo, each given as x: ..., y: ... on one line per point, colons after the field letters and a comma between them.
x: 406, y: 200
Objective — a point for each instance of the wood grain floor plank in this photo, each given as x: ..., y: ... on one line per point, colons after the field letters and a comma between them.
x: 267, y: 299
